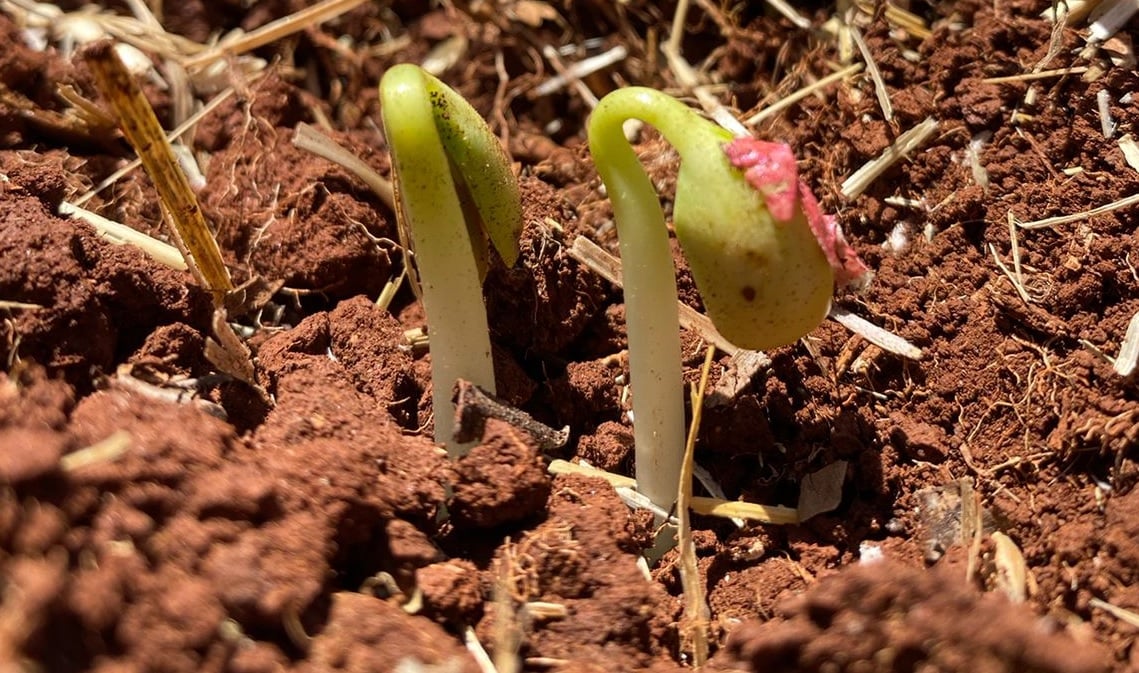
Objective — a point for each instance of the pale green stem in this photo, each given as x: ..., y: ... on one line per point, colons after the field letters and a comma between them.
x: 413, y: 103
x: 652, y: 321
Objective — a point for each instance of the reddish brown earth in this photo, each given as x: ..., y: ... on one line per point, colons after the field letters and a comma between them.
x: 299, y: 527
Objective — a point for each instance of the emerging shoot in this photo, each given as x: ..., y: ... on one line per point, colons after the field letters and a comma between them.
x: 454, y: 189
x: 764, y: 257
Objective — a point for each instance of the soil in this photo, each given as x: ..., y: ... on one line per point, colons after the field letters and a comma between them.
x: 304, y: 520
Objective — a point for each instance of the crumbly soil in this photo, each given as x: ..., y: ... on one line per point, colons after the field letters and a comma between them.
x: 303, y: 520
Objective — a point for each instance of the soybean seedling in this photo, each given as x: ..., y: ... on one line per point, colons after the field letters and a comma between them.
x: 454, y: 188
x: 764, y: 257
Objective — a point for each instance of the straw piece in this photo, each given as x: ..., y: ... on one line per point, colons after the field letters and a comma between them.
x: 307, y: 138
x: 857, y: 183
x: 1076, y: 217
x: 1126, y: 364
x: 788, y: 101
x: 121, y: 234
x: 732, y: 509
x: 881, y: 338
x: 273, y: 31
x: 141, y: 128
x: 696, y: 617
x: 880, y: 90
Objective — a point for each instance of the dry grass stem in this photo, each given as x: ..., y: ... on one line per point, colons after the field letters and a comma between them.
x: 103, y: 451
x: 677, y: 33
x: 801, y: 22
x: 857, y: 183
x: 179, y: 131
x: 880, y: 90
x: 733, y: 509
x: 121, y: 234
x: 1076, y: 217
x: 579, y: 70
x: 273, y: 31
x: 1122, y: 614
x: 907, y: 21
x: 884, y: 339
x: 695, y: 619
x: 1031, y: 76
x: 559, y: 466
x: 587, y: 253
x: 9, y: 305
x: 686, y: 76
x: 311, y: 140
x: 478, y: 652
x: 141, y: 127
x: 1012, y: 575
x: 787, y: 101
x: 555, y: 61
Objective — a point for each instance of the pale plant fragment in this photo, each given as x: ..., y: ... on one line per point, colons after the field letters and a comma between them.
x: 445, y: 55
x: 307, y: 138
x: 140, y: 125
x: 1122, y: 614
x: 1083, y: 215
x: 687, y: 77
x: 1103, y: 106
x: 1069, y: 12
x: 120, y: 234
x: 1130, y: 150
x: 1109, y: 17
x: 973, y: 154
x: 478, y: 652
x: 733, y: 509
x: 880, y: 90
x: 907, y: 142
x: 559, y: 466
x: 1127, y: 363
x: 579, y: 70
x: 1012, y: 576
x: 783, y: 7
x: 103, y: 451
x: 789, y: 100
x: 727, y: 509
x: 696, y: 617
x: 9, y: 305
x: 1055, y: 41
x: 1032, y: 76
x: 884, y: 339
x: 273, y: 31
x: 896, y: 16
x: 551, y: 55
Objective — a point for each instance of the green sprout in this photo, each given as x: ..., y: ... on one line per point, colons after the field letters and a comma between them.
x: 764, y: 258
x: 454, y: 189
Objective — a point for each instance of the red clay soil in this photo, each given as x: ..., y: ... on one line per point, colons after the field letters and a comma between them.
x: 305, y: 521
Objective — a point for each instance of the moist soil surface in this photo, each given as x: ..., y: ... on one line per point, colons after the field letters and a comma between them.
x: 160, y: 514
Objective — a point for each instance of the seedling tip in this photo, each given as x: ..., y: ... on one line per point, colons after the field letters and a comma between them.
x: 454, y: 189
